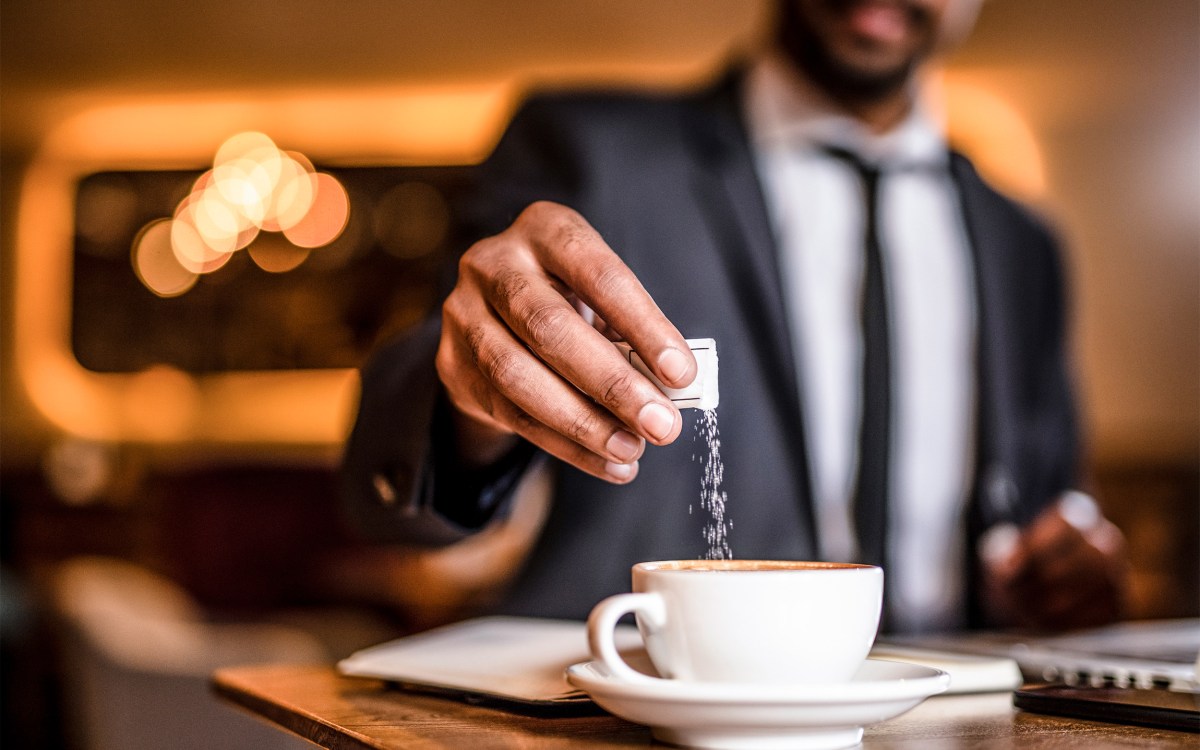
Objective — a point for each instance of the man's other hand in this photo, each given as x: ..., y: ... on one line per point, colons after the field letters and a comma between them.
x: 1067, y: 569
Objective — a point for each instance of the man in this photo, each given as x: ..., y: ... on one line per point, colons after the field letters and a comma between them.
x: 738, y: 214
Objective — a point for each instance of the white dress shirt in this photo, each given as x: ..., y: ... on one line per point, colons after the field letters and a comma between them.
x: 815, y: 203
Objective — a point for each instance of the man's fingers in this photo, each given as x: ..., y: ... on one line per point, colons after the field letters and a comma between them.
x: 1049, y: 550
x: 591, y: 363
x: 1047, y: 537
x: 512, y: 387
x: 1070, y: 535
x: 505, y: 412
x: 1058, y: 607
x: 573, y: 453
x: 571, y: 250
x: 533, y: 307
x: 1065, y: 569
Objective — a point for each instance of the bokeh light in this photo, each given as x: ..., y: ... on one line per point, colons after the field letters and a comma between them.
x: 274, y: 254
x: 354, y: 240
x: 326, y: 216
x: 155, y: 263
x: 253, y: 188
x: 215, y: 224
x: 78, y: 471
x: 293, y: 196
x: 247, y: 145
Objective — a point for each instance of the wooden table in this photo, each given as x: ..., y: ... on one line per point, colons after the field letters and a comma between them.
x: 340, y: 712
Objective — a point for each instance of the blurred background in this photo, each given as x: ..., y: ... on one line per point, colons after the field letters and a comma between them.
x: 171, y: 424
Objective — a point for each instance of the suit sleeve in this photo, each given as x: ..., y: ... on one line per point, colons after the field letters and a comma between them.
x: 400, y: 480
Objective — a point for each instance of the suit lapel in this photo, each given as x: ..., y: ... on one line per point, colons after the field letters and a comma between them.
x: 725, y: 184
x: 989, y: 235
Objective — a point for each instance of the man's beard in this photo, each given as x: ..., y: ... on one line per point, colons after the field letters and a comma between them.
x: 842, y: 78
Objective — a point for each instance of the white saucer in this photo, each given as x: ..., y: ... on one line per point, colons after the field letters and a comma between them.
x: 725, y: 716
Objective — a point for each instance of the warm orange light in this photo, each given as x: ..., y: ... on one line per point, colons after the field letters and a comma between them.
x: 994, y: 133
x: 293, y: 196
x: 190, y: 248
x: 246, y: 186
x: 274, y: 254
x: 160, y: 403
x: 326, y: 217
x: 252, y: 187
x: 217, y: 223
x: 251, y: 146
x: 296, y: 408
x: 155, y: 263
x: 393, y: 125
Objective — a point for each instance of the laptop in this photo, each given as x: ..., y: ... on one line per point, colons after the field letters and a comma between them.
x: 1146, y: 654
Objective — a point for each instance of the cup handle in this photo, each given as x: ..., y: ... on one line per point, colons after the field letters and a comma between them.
x: 602, y: 624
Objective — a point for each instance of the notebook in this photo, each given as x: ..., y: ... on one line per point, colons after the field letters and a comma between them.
x: 504, y: 660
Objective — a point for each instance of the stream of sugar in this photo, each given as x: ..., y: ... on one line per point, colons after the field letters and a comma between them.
x: 712, y: 491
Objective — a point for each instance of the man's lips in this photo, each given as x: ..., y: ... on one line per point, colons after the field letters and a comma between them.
x: 882, y: 22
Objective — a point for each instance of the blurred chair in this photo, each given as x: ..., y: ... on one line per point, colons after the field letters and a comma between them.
x: 136, y: 658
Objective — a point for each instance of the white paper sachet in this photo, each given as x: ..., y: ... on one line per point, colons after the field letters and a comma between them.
x: 703, y: 392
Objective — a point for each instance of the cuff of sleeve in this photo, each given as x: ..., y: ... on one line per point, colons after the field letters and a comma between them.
x: 469, y: 497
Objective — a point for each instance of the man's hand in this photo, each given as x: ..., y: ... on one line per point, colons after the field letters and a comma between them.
x: 517, y: 358
x: 1066, y: 570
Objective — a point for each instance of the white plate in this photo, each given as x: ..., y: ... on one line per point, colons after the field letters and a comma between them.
x: 721, y: 716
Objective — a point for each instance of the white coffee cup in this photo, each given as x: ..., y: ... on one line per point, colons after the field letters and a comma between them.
x: 745, y: 621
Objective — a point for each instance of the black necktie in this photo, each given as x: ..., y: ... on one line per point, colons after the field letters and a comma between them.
x: 871, y: 481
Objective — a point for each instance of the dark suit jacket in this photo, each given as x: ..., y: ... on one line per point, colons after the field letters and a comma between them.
x: 669, y: 182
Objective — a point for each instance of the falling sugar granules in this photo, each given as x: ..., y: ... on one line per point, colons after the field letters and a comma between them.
x: 712, y: 492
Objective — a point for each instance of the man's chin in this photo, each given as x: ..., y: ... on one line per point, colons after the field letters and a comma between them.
x: 862, y: 82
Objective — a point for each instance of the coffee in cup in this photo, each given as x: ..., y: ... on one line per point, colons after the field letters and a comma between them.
x: 745, y: 621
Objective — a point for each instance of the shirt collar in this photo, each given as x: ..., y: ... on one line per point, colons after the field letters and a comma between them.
x: 786, y: 111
